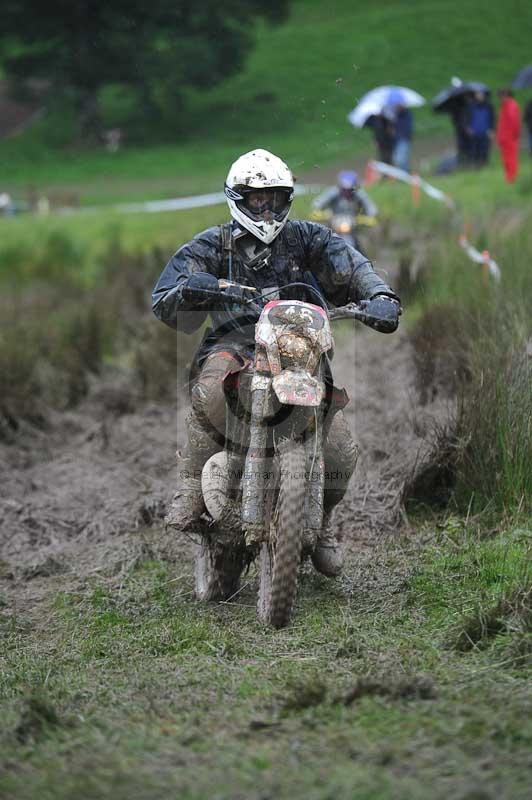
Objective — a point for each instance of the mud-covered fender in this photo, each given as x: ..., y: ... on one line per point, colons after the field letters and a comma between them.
x: 298, y: 388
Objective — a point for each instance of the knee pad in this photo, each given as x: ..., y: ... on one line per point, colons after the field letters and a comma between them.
x: 207, y: 393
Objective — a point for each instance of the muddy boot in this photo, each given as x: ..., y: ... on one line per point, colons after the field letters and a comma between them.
x: 328, y: 556
x: 187, y: 504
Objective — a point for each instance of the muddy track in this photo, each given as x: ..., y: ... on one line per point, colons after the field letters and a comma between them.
x: 88, y: 494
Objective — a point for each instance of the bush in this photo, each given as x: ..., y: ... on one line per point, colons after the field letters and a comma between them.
x: 54, y: 335
x: 494, y: 423
x: 20, y: 386
x: 472, y: 344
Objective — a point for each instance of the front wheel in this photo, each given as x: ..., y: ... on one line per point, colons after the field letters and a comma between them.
x: 280, y: 555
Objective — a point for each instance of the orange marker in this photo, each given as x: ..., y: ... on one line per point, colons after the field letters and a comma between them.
x: 371, y: 175
x: 416, y: 190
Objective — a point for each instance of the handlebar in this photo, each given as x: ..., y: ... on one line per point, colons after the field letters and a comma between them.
x: 348, y: 311
x: 351, y: 311
x: 368, y: 220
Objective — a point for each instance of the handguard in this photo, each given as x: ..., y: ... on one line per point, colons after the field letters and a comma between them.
x: 382, y: 313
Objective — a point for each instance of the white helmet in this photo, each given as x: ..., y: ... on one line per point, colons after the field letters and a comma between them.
x: 259, y: 190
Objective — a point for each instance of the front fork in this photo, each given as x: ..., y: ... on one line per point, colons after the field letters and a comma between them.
x: 254, y: 479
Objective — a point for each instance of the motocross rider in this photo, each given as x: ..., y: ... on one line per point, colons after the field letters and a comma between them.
x: 347, y: 197
x: 260, y: 248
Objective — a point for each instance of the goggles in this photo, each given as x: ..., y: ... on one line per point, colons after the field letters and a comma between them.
x: 256, y: 203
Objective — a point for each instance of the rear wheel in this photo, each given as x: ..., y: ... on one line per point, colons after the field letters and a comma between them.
x: 280, y: 555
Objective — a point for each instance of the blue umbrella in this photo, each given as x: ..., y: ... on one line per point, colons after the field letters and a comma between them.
x: 378, y: 100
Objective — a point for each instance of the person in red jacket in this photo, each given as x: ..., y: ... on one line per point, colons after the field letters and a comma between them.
x: 508, y: 134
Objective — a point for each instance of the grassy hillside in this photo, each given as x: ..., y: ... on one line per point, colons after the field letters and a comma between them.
x: 317, y: 66
x: 296, y: 89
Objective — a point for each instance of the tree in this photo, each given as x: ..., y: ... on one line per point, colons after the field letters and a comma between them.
x: 154, y: 49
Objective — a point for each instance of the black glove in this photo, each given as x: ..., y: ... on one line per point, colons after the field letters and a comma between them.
x: 194, y: 287
x: 384, y: 311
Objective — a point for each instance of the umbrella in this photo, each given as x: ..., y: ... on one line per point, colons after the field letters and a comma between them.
x: 523, y: 79
x: 377, y: 100
x: 453, y: 94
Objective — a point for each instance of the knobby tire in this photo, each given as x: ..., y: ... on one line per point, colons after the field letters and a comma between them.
x: 281, y: 554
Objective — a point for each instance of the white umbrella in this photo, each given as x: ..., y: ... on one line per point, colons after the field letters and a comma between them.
x: 377, y: 100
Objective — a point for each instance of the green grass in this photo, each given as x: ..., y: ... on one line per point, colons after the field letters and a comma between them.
x: 294, y: 93
x: 471, y: 334
x: 132, y: 689
x: 38, y: 247
x: 31, y: 245
x: 77, y: 246
x: 478, y: 196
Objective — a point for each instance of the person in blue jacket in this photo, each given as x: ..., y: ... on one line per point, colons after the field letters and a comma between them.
x: 480, y: 127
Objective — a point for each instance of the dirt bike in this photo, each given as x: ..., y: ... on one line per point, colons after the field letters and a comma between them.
x: 345, y: 225
x: 264, y: 491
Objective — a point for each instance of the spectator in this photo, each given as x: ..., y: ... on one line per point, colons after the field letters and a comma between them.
x: 384, y: 135
x: 508, y: 134
x: 460, y: 117
x: 480, y: 126
x: 404, y: 127
x: 528, y: 122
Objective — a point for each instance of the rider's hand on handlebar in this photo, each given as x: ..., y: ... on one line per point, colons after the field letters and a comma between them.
x: 319, y: 215
x: 366, y: 219
x: 384, y: 311
x: 199, y: 287
x: 238, y: 293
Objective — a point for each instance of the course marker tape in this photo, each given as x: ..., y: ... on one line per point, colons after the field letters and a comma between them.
x: 376, y: 168
x: 415, y: 181
x: 174, y: 203
x: 478, y: 257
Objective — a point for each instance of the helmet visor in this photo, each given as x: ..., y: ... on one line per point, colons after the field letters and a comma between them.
x: 261, y: 203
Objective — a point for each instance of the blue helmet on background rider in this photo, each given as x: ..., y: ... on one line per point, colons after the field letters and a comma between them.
x: 348, y: 182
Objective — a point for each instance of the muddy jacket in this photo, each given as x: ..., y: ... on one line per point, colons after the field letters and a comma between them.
x: 305, y: 252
